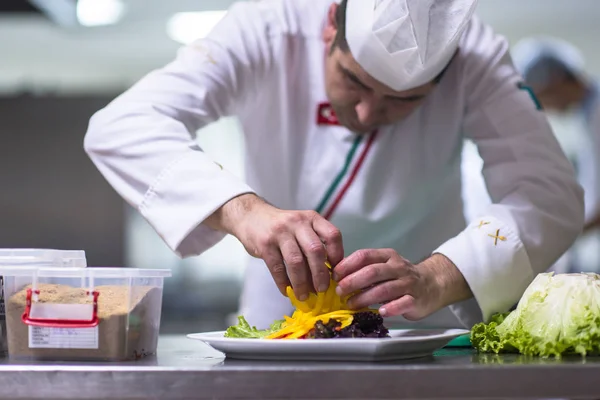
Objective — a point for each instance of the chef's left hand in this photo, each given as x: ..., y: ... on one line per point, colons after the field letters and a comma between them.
x: 382, y: 276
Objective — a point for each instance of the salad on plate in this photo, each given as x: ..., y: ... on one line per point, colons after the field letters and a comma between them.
x: 322, y: 316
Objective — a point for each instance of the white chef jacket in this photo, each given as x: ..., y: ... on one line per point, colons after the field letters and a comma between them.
x: 399, y: 189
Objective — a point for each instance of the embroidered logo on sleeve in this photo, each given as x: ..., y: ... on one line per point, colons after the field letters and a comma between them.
x: 497, y: 237
x: 482, y: 223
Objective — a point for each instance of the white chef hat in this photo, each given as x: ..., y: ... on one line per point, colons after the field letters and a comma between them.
x: 539, y: 58
x: 405, y: 43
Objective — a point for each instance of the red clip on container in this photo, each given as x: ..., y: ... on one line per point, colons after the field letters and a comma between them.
x: 68, y: 321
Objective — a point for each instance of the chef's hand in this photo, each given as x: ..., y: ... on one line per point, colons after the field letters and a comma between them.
x: 382, y: 276
x: 293, y: 244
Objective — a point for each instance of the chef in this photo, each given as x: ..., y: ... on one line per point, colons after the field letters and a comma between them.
x: 353, y: 117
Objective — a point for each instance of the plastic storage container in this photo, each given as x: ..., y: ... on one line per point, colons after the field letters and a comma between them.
x: 34, y: 258
x: 88, y: 313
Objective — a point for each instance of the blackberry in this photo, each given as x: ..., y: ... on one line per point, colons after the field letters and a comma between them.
x: 367, y: 321
x: 365, y: 324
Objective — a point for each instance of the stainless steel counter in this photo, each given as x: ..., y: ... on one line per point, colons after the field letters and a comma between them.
x: 186, y: 369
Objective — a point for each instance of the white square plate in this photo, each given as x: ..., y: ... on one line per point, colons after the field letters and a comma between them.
x: 403, y: 344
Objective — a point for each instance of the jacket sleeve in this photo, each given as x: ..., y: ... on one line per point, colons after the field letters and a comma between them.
x: 537, y: 209
x: 144, y: 144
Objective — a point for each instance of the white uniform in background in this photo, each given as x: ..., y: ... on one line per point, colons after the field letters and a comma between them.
x: 582, y: 145
x: 398, y: 187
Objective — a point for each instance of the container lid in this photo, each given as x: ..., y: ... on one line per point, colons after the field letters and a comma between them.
x: 89, y: 272
x: 43, y: 258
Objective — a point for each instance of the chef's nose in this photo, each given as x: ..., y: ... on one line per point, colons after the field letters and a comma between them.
x: 369, y: 110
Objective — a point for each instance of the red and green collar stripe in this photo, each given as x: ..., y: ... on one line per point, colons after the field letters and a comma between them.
x: 330, y: 201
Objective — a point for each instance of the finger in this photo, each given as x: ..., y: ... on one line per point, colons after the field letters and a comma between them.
x: 358, y: 260
x: 378, y: 294
x: 274, y: 260
x: 402, y: 306
x: 331, y: 237
x: 366, y: 277
x: 314, y: 251
x: 297, y: 270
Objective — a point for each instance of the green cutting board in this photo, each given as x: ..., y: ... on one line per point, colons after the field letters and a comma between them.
x: 461, y: 341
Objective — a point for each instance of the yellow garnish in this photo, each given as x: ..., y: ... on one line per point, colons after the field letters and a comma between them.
x: 299, y: 305
x: 318, y: 307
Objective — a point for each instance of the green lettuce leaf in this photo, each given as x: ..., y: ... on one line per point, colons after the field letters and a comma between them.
x: 244, y: 330
x: 557, y: 315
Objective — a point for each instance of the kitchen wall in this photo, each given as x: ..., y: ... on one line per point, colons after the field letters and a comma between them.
x: 51, y: 196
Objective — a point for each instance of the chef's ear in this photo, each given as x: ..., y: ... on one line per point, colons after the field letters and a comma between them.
x: 331, y: 27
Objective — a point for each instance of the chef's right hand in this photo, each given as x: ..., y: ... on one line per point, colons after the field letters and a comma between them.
x: 293, y: 244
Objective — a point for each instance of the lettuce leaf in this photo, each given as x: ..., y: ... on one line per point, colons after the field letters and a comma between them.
x: 557, y: 315
x: 244, y: 330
